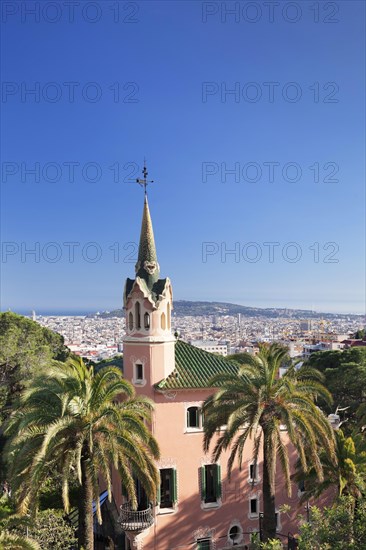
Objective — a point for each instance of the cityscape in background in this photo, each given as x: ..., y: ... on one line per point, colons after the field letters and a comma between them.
x: 99, y: 336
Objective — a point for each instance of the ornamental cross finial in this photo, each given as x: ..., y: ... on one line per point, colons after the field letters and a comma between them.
x: 144, y: 181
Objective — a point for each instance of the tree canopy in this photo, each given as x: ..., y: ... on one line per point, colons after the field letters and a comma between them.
x: 72, y: 420
x: 345, y: 378
x: 25, y: 348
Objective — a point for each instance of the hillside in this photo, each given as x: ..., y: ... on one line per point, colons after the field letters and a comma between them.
x: 185, y: 307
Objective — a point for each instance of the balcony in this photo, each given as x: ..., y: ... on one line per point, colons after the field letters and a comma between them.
x: 135, y: 520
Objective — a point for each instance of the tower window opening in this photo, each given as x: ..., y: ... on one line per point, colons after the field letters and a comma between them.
x: 163, y: 321
x: 139, y: 369
x: 168, y: 315
x: 147, y: 321
x: 130, y: 320
x: 138, y: 314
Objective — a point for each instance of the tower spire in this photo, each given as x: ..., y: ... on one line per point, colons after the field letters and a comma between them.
x: 147, y: 266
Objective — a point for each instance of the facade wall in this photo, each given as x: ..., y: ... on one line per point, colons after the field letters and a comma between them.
x: 190, y: 518
x: 182, y: 449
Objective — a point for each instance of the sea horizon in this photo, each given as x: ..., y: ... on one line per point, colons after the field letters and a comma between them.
x: 26, y: 312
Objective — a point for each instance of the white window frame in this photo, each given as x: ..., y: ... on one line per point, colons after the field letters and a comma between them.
x: 252, y: 515
x: 169, y: 510
x: 218, y: 501
x: 138, y: 381
x: 199, y: 428
x: 257, y: 478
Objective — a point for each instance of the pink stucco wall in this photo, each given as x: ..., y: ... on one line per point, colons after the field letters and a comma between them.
x: 183, y: 450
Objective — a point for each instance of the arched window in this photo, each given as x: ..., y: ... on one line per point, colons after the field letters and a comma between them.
x: 168, y: 315
x: 130, y: 320
x: 163, y: 321
x: 138, y: 314
x: 194, y: 417
x: 147, y: 320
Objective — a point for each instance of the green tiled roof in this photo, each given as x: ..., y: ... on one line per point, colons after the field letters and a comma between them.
x: 194, y: 367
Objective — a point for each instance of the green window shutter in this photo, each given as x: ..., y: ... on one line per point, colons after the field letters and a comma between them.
x: 218, y: 481
x: 203, y: 482
x: 203, y: 544
x: 174, y: 485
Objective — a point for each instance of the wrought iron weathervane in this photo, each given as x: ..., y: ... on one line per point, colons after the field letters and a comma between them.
x: 144, y: 181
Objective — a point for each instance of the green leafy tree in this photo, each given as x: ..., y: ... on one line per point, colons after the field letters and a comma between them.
x: 339, y: 527
x: 360, y: 334
x: 253, y: 403
x: 272, y: 544
x: 25, y: 348
x: 345, y: 378
x: 345, y: 471
x: 72, y: 420
x: 361, y: 417
x: 48, y: 529
x: 51, y: 531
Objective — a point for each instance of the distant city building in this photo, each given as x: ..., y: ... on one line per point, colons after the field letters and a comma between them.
x: 321, y: 346
x: 211, y: 345
x: 351, y: 343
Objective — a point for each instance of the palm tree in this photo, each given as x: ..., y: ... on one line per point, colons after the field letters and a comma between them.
x: 346, y: 471
x: 13, y: 541
x: 253, y: 403
x: 73, y: 420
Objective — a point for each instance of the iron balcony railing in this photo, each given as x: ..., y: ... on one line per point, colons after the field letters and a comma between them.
x: 135, y: 520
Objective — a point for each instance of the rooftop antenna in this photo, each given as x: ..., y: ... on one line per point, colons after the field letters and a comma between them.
x: 144, y: 181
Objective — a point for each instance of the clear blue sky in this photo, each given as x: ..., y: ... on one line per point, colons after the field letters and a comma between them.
x: 149, y: 71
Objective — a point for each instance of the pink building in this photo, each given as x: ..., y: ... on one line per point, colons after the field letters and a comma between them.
x: 198, y: 507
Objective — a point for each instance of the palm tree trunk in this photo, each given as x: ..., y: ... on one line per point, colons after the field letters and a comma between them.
x: 85, y: 532
x: 269, y: 506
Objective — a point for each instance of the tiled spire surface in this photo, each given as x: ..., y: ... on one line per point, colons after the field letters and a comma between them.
x: 147, y: 266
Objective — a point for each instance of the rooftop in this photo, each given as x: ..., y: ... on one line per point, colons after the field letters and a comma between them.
x: 194, y: 368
